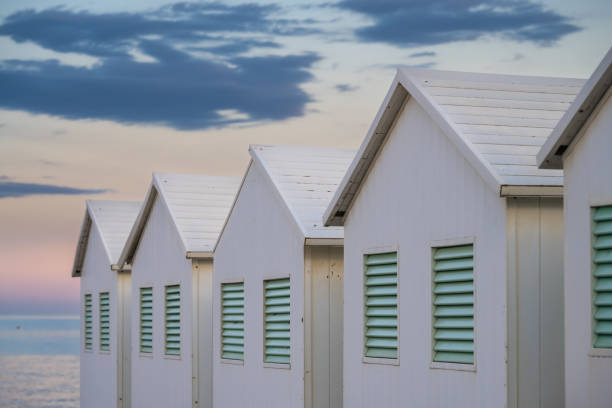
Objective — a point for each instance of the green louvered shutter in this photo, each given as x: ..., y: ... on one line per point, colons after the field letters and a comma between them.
x: 104, y: 321
x: 232, y: 321
x: 381, y: 305
x: 173, y: 320
x: 277, y: 321
x: 146, y: 320
x: 602, y: 259
x: 88, y: 322
x: 453, y: 316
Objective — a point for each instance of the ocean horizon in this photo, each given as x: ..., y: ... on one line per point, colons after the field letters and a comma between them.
x: 39, y: 361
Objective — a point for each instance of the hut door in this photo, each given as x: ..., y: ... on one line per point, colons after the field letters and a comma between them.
x: 327, y: 267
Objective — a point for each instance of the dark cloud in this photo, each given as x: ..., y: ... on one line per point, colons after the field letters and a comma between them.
x: 428, y: 22
x: 181, y: 88
x: 346, y: 88
x: 13, y: 189
x: 423, y: 54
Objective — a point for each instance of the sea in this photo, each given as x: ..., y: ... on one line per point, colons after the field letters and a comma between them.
x: 39, y: 361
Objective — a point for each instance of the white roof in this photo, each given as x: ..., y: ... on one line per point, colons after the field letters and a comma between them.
x: 550, y: 156
x: 498, y: 122
x: 114, y: 220
x: 306, y: 179
x: 198, y: 205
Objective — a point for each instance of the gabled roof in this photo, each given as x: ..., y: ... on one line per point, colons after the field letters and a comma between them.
x: 550, y: 156
x: 198, y: 205
x: 498, y: 122
x: 113, y: 219
x: 305, y: 179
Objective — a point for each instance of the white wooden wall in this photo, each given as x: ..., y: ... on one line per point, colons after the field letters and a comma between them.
x: 260, y: 241
x: 421, y: 191
x: 588, y: 182
x: 535, y: 302
x: 99, y: 368
x: 159, y: 380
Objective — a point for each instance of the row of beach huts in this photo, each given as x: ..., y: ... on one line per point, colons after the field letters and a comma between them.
x: 462, y: 257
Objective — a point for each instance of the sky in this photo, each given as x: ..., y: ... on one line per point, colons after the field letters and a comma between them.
x: 95, y: 96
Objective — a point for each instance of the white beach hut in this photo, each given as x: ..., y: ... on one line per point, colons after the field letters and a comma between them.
x: 105, y: 302
x: 170, y: 251
x: 453, y: 245
x: 581, y: 145
x: 278, y: 284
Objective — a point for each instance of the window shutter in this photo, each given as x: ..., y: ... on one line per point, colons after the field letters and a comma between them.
x: 232, y: 321
x: 173, y: 320
x: 146, y: 320
x: 88, y: 322
x: 453, y: 295
x: 277, y: 321
x: 104, y: 321
x: 602, y: 259
x: 381, y: 337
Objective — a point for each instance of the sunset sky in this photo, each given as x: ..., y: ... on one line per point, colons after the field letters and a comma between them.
x: 95, y: 96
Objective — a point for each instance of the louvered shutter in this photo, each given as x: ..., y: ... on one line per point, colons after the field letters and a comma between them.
x: 104, y: 321
x: 146, y: 320
x: 277, y: 321
x: 381, y: 336
x: 453, y: 316
x: 88, y: 322
x: 173, y: 320
x: 232, y: 321
x: 602, y: 259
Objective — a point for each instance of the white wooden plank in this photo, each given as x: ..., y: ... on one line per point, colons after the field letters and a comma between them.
x: 503, y: 130
x: 501, y: 103
x: 503, y: 112
x: 508, y: 149
x: 522, y: 170
x: 506, y: 140
x: 516, y: 96
x: 517, y: 86
x: 502, y: 121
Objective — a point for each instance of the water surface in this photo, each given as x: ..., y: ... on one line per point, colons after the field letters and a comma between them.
x: 39, y: 361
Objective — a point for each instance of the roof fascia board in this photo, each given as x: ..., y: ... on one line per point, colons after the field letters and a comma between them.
x: 576, y: 117
x: 199, y: 255
x: 482, y: 167
x: 363, y: 161
x: 277, y: 192
x: 92, y: 215
x: 324, y: 242
x: 531, y: 191
x: 244, y: 176
x: 160, y: 191
x: 131, y: 244
x: 79, y: 256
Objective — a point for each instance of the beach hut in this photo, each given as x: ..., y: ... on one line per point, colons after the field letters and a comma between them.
x: 454, y: 245
x: 581, y: 145
x: 105, y: 302
x: 170, y: 251
x: 278, y: 284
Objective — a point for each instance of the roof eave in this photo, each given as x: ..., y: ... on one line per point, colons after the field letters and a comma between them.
x: 564, y: 134
x: 131, y: 244
x: 79, y: 256
x: 337, y: 209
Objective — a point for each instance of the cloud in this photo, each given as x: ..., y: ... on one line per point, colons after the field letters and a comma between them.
x: 423, y: 54
x: 429, y: 22
x: 346, y: 88
x: 151, y: 69
x: 13, y: 189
